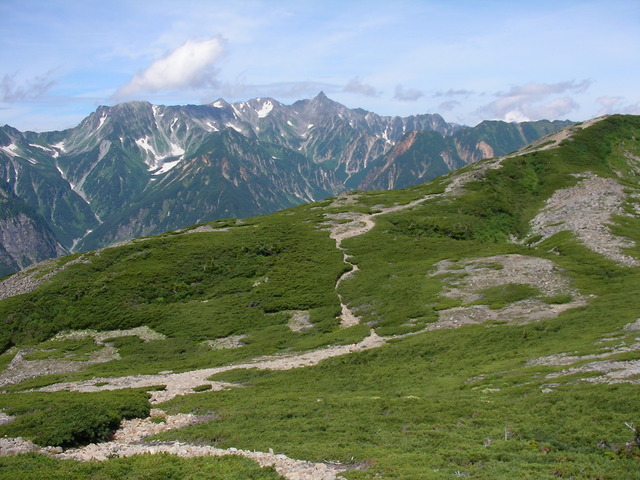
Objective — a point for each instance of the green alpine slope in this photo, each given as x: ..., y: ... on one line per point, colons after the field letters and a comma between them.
x: 482, y: 325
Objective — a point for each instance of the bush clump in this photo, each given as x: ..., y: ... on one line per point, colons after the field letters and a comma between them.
x: 69, y: 419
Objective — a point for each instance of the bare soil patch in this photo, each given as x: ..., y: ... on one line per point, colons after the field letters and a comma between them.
x: 21, y: 369
x: 610, y: 370
x: 585, y: 210
x: 467, y: 278
x: 299, y: 321
x: 233, y: 341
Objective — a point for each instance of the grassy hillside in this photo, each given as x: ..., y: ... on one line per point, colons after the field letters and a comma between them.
x: 539, y: 381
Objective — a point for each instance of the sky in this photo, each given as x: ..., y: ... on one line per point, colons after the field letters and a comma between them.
x: 468, y: 60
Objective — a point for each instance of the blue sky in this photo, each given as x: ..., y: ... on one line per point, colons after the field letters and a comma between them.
x: 466, y: 60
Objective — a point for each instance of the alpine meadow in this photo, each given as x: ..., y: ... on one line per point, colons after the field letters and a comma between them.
x: 484, y: 324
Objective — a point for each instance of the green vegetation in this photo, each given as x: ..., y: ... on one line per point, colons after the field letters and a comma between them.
x: 68, y: 349
x: 70, y: 419
x: 468, y: 402
x: 410, y: 409
x: 499, y: 296
x: 207, y: 280
x: 147, y: 467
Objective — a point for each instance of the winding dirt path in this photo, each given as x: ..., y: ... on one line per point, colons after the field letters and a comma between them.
x: 184, y: 383
x: 352, y: 224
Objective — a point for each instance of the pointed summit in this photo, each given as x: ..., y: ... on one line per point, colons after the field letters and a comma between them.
x: 220, y: 103
x: 322, y: 99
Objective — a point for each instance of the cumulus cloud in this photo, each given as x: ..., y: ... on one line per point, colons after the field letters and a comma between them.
x: 535, y: 101
x: 407, y: 94
x: 188, y: 66
x: 31, y: 89
x: 355, y: 85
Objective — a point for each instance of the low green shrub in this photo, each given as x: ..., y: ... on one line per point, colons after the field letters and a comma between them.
x: 501, y: 295
x: 68, y: 419
x: 33, y: 466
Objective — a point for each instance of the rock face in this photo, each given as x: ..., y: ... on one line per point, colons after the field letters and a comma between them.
x: 25, y: 238
x: 138, y: 169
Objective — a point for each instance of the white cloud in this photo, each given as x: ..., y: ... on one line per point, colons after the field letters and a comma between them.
x: 355, y: 85
x: 407, y: 94
x: 188, y: 66
x: 535, y: 101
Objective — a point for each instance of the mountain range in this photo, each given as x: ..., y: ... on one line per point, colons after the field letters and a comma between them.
x: 138, y: 169
x: 483, y: 324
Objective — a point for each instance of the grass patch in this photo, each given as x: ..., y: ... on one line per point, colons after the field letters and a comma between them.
x: 68, y: 419
x: 162, y: 466
x: 499, y: 296
x: 69, y: 349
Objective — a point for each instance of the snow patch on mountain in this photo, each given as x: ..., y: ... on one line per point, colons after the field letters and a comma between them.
x: 231, y: 125
x: 11, y: 149
x: 167, y: 166
x: 144, y: 144
x: 265, y: 110
x: 175, y: 150
x: 48, y: 150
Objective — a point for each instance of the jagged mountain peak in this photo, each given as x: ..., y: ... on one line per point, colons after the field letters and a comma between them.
x: 124, y: 157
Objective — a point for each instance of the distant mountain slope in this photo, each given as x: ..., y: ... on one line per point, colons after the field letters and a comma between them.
x: 483, y: 324
x: 422, y: 155
x: 25, y: 237
x: 140, y: 169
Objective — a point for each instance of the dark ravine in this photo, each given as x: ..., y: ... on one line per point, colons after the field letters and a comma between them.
x: 138, y: 169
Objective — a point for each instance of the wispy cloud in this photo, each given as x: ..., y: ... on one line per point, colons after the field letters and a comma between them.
x: 448, y: 106
x: 407, y: 94
x: 617, y: 104
x: 454, y: 93
x: 534, y: 101
x: 632, y: 109
x: 11, y: 92
x: 355, y: 85
x: 189, y: 66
